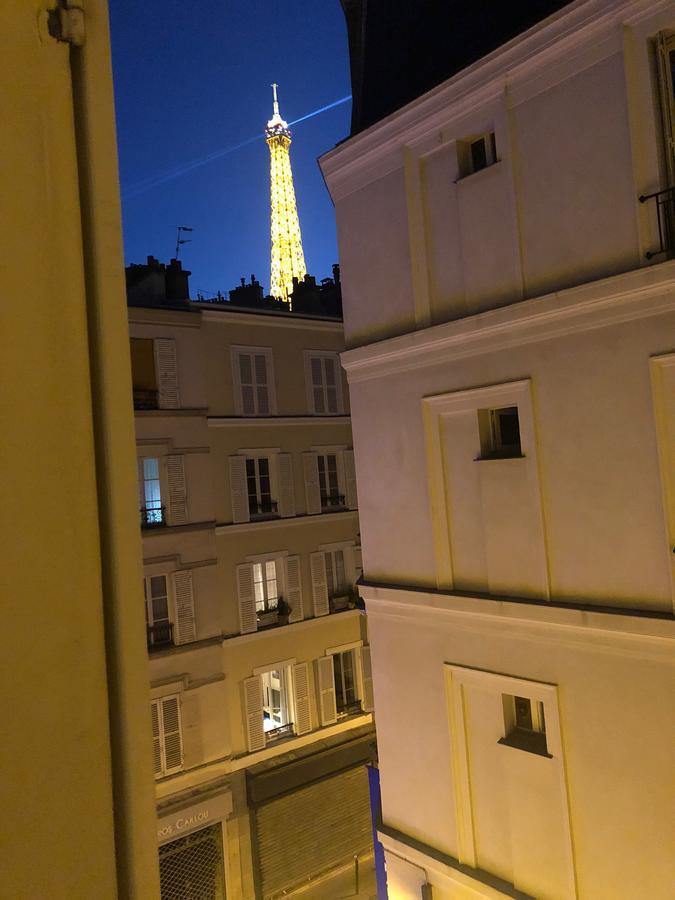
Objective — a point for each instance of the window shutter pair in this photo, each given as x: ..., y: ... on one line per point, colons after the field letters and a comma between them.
x: 292, y: 592
x: 175, y: 472
x: 167, y: 373
x: 253, y: 707
x: 166, y: 735
x: 325, y: 678
x: 322, y: 376
x: 252, y: 383
x: 239, y: 486
x: 346, y: 474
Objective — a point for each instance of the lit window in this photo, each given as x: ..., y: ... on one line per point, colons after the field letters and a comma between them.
x: 476, y: 153
x: 277, y: 717
x: 152, y: 512
x: 265, y: 585
x: 524, y: 724
x: 344, y: 673
x: 499, y: 431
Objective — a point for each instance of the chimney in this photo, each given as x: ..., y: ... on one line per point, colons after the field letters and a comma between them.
x: 177, y: 286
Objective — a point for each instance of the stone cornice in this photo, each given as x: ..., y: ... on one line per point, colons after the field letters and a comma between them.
x: 271, y: 319
x: 637, y: 294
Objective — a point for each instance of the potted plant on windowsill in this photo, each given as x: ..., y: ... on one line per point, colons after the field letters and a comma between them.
x: 283, y: 611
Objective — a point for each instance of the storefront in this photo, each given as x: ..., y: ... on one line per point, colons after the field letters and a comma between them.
x: 192, y: 850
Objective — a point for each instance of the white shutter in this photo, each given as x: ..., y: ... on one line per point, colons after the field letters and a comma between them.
x: 310, y: 468
x: 319, y: 584
x: 332, y: 375
x: 358, y: 563
x: 239, y: 489
x: 262, y: 394
x: 286, y: 485
x: 171, y: 736
x: 367, y: 699
x: 253, y: 703
x: 293, y: 588
x: 326, y: 686
x: 316, y: 366
x: 167, y: 373
x: 303, y: 711
x: 156, y: 737
x: 248, y: 620
x: 175, y: 469
x: 350, y: 479
x: 184, y: 627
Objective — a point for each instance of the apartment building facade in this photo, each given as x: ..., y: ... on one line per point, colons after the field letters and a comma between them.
x: 259, y: 659
x: 508, y: 270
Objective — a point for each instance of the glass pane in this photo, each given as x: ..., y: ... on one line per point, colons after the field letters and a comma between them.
x: 523, y: 713
x: 348, y: 670
x: 158, y: 586
x: 478, y: 155
x: 160, y: 610
x: 150, y: 468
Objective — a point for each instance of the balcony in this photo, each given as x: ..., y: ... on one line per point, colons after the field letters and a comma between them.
x: 267, y: 509
x: 145, y: 399
x: 350, y: 709
x: 664, y: 202
x: 153, y: 516
x: 332, y: 501
x: 282, y: 731
x: 160, y: 635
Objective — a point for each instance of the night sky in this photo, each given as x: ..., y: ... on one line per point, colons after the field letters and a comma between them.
x: 192, y: 79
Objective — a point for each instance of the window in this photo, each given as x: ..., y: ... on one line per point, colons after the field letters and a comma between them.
x: 329, y: 481
x: 476, y: 153
x: 499, y: 431
x: 346, y: 691
x: 157, y: 619
x: 666, y: 77
x: 143, y: 373
x: 322, y: 371
x: 152, y: 511
x: 277, y: 714
x: 259, y: 486
x: 265, y: 585
x: 166, y: 735
x: 254, y: 393
x: 524, y: 724
x: 335, y: 573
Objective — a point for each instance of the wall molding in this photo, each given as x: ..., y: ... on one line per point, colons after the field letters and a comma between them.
x: 266, y: 421
x: 271, y: 318
x: 272, y: 524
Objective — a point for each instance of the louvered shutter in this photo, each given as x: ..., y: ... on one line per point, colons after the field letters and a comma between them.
x: 303, y: 711
x: 319, y: 584
x: 293, y: 588
x: 310, y: 468
x: 286, y: 485
x: 358, y: 562
x: 156, y: 737
x: 350, y: 479
x: 248, y: 620
x: 167, y: 373
x: 246, y: 384
x: 173, y: 745
x: 316, y: 372
x: 367, y: 700
x: 332, y: 374
x: 184, y: 627
x: 175, y: 469
x: 253, y: 703
x: 262, y: 394
x: 239, y: 489
x: 326, y: 687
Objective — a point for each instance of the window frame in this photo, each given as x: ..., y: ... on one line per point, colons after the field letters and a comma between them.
x: 160, y: 520
x: 158, y: 699
x: 310, y: 355
x: 150, y: 620
x: 465, y: 155
x: 287, y: 696
x: 236, y: 351
x: 492, y: 445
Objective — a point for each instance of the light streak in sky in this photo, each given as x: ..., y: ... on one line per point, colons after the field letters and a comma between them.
x: 146, y: 184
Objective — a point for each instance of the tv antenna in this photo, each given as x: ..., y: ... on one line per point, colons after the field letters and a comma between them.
x: 180, y: 240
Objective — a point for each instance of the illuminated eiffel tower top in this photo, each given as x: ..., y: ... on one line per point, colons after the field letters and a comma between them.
x: 288, y: 260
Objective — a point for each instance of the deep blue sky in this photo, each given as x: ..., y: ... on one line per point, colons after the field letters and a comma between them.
x: 191, y: 79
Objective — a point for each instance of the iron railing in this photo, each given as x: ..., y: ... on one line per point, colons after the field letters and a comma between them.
x: 332, y: 501
x: 665, y: 217
x: 160, y: 635
x: 282, y: 731
x: 267, y: 508
x: 144, y: 399
x: 153, y: 516
x: 350, y: 709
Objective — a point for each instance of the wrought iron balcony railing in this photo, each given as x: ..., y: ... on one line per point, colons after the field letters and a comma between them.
x: 332, y: 501
x: 282, y: 731
x: 350, y: 709
x: 160, y: 635
x: 267, y: 509
x: 664, y: 202
x: 144, y: 399
x: 153, y: 516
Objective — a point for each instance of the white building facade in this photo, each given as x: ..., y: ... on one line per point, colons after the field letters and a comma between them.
x: 258, y: 656
x: 506, y: 247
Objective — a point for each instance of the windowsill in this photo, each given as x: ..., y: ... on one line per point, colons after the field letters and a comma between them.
x: 529, y: 741
x: 500, y: 457
x: 164, y: 529
x: 478, y: 173
x: 199, y: 411
x: 278, y: 522
x: 264, y: 517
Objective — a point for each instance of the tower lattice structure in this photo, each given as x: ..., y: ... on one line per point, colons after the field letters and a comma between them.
x: 288, y: 260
